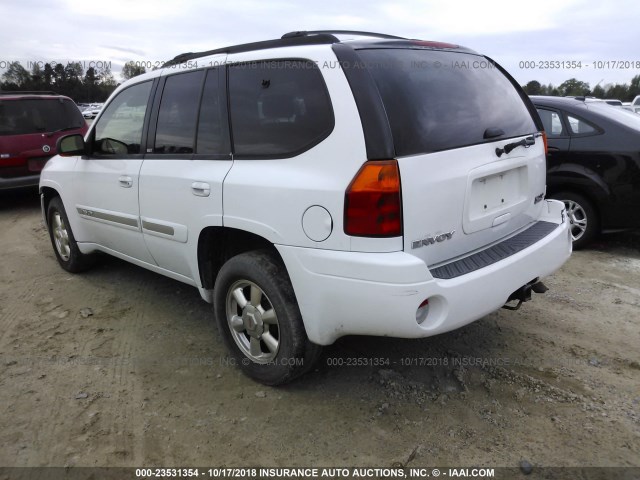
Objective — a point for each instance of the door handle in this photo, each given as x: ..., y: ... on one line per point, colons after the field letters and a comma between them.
x: 125, y: 181
x: 201, y: 189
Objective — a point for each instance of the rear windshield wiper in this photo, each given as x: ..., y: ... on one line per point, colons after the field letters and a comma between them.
x: 62, y: 130
x: 525, y: 142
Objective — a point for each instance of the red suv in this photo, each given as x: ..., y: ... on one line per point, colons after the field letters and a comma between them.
x: 30, y: 125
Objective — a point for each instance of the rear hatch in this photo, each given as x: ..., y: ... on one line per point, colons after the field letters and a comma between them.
x: 29, y: 129
x: 449, y: 111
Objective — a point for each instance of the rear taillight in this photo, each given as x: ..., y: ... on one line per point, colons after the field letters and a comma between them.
x: 544, y: 141
x: 372, y: 205
x: 13, y: 162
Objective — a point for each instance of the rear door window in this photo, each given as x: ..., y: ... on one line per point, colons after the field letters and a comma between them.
x: 437, y: 100
x: 278, y: 108
x: 178, y: 115
x: 552, y: 123
x: 23, y: 116
x: 579, y: 126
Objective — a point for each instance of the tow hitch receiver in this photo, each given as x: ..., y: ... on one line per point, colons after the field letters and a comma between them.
x: 523, y: 294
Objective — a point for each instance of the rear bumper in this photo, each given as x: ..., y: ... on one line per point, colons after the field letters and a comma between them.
x: 355, y: 293
x: 19, y: 182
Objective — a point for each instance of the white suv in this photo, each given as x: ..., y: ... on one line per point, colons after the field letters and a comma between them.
x: 319, y: 185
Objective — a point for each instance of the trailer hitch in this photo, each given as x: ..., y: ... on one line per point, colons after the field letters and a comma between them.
x: 523, y: 294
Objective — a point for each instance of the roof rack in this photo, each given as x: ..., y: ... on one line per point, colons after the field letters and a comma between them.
x: 304, y: 33
x: 315, y: 39
x: 302, y: 37
x: 27, y: 92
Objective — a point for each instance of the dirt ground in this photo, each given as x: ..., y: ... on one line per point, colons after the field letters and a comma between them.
x: 142, y: 378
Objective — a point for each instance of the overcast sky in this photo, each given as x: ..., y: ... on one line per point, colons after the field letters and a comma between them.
x: 510, y: 32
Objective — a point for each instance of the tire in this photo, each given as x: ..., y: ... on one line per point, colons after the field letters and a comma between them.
x: 259, y: 319
x: 64, y: 243
x: 585, y: 224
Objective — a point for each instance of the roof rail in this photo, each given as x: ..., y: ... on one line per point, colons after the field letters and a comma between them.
x: 319, y: 39
x: 304, y: 33
x: 27, y: 92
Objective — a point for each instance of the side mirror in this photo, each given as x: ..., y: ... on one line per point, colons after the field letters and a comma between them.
x: 71, y: 145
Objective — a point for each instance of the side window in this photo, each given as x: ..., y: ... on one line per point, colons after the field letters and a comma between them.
x: 178, y: 115
x: 552, y: 123
x: 213, y: 129
x: 579, y: 126
x: 278, y: 108
x: 119, y: 130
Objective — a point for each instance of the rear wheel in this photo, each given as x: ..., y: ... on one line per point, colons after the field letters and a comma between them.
x: 64, y: 243
x: 582, y: 215
x: 259, y: 319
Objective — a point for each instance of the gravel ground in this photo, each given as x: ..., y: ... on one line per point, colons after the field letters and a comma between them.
x: 122, y: 367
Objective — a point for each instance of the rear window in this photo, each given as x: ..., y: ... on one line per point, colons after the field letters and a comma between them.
x: 618, y: 115
x: 22, y: 116
x: 439, y: 100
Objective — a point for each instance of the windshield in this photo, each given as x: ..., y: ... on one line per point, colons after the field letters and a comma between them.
x: 438, y: 100
x: 38, y: 115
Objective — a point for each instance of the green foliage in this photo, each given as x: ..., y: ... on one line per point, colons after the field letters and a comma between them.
x: 533, y: 88
x: 624, y: 92
x: 131, y: 70
x: 574, y: 87
x: 598, y: 92
x: 16, y: 74
x: 93, y: 86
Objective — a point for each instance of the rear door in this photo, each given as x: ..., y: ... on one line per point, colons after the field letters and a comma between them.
x: 449, y: 113
x: 182, y: 175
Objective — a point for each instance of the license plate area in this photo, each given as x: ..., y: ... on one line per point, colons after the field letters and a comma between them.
x: 493, y: 195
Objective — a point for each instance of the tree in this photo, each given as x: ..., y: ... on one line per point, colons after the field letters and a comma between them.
x: 634, y: 88
x: 598, y: 92
x: 16, y: 75
x: 619, y: 91
x: 131, y: 70
x: 574, y: 87
x: 553, y: 91
x: 106, y: 78
x: 59, y: 75
x: 533, y: 88
x: 90, y: 83
x: 48, y: 75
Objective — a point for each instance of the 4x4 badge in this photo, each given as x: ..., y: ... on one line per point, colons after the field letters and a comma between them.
x: 430, y: 240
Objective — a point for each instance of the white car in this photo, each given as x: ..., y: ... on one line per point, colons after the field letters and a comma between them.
x: 91, y: 111
x: 319, y: 185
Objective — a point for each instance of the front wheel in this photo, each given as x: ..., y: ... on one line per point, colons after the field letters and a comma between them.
x: 582, y: 217
x: 259, y: 319
x: 64, y: 243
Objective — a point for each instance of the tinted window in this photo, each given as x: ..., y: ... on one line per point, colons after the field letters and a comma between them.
x: 213, y: 131
x: 178, y: 116
x: 442, y: 100
x: 579, y: 126
x: 119, y: 129
x: 552, y: 123
x: 278, y: 107
x: 24, y: 116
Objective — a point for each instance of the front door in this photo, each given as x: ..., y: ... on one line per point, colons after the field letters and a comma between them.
x: 106, y: 182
